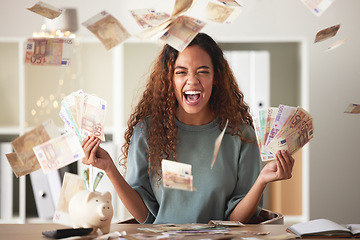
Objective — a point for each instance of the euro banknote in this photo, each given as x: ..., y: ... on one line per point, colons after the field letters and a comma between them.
x: 23, y: 161
x: 177, y: 175
x: 107, y: 29
x: 49, y: 51
x: 59, y: 152
x: 46, y: 10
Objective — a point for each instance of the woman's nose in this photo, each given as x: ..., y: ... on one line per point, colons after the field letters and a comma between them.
x: 192, y: 79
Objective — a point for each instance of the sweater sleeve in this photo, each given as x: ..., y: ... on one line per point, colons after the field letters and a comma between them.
x: 137, y: 175
x: 248, y: 170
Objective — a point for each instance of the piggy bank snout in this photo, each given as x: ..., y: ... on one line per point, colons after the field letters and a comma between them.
x: 105, y: 209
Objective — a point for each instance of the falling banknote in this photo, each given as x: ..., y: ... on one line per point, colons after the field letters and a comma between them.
x: 218, y: 143
x: 352, y: 108
x: 59, y: 152
x: 326, y: 33
x: 318, y: 7
x: 223, y: 11
x: 23, y: 161
x: 49, y: 51
x: 177, y: 175
x: 182, y: 31
x: 107, y: 29
x: 46, y: 10
x: 149, y: 17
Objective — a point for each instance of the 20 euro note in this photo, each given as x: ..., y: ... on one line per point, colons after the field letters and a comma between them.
x: 107, y: 29
x: 49, y: 51
x: 46, y: 10
x: 177, y: 175
x: 23, y: 161
x: 182, y: 31
x: 59, y: 152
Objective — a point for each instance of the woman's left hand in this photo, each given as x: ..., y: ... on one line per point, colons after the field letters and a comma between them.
x: 279, y: 169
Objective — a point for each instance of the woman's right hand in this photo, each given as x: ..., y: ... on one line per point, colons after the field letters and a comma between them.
x: 95, y: 155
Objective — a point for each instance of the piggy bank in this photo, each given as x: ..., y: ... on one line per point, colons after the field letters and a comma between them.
x: 91, y: 210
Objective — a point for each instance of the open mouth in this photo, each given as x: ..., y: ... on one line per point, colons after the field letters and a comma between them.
x: 192, y: 97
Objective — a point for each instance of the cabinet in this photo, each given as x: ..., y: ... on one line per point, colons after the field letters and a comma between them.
x: 32, y: 94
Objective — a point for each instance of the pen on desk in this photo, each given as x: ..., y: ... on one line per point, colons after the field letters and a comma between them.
x: 97, y: 179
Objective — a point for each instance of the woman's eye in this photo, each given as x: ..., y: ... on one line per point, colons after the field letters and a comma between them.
x: 203, y: 72
x: 180, y: 73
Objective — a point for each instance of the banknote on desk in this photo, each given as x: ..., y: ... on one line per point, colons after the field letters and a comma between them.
x: 49, y: 51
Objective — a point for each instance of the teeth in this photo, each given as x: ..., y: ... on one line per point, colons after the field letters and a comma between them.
x: 192, y: 92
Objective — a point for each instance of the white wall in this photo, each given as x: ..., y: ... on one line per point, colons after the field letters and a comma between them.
x: 333, y: 76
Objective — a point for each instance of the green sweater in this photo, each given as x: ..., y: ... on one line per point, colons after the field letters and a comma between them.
x: 218, y: 190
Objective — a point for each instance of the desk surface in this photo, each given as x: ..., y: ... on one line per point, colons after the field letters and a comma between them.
x: 34, y: 231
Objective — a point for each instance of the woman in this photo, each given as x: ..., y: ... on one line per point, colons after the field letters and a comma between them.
x: 188, y: 98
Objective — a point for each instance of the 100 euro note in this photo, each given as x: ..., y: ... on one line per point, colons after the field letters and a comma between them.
x: 49, y: 51
x: 107, y: 29
x: 352, y: 108
x: 318, y: 7
x: 182, y: 31
x: 23, y: 161
x: 59, y: 152
x: 177, y: 175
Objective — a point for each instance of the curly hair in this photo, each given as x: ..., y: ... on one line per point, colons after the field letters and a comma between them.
x: 159, y: 104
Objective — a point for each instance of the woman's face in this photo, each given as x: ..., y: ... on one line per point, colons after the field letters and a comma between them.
x: 193, y: 81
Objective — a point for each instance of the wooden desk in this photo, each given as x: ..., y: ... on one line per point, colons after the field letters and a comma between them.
x: 34, y: 231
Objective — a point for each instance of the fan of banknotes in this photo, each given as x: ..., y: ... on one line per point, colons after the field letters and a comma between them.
x: 285, y: 127
x: 84, y: 114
